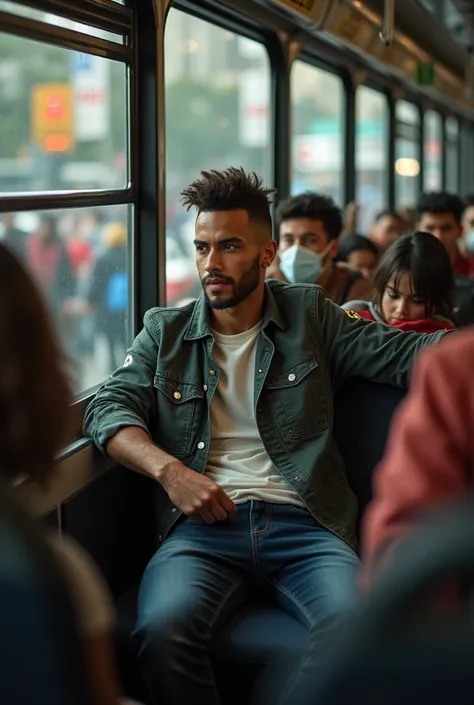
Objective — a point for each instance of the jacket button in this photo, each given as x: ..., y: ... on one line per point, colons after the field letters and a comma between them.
x: 177, y: 395
x: 205, y: 387
x: 212, y: 373
x: 297, y: 479
x: 292, y: 377
x: 260, y: 371
x: 201, y: 445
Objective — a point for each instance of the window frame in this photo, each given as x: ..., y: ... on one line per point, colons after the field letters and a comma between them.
x: 309, y: 57
x: 115, y: 18
x: 374, y: 86
x: 418, y: 141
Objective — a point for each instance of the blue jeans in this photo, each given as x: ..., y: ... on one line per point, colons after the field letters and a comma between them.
x: 202, y: 575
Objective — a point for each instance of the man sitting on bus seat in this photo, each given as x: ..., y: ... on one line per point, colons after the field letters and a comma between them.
x: 227, y: 403
x: 440, y: 214
x: 309, y: 226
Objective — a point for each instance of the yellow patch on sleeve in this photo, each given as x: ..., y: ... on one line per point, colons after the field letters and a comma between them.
x: 351, y: 314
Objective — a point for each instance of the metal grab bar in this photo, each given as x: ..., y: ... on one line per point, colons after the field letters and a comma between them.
x: 388, y: 25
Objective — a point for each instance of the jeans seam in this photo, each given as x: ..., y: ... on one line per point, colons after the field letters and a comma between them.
x: 296, y: 602
x: 225, y: 598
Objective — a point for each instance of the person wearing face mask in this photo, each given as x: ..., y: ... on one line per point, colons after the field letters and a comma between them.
x: 309, y: 226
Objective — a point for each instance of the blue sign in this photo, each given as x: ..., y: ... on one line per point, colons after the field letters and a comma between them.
x: 81, y: 61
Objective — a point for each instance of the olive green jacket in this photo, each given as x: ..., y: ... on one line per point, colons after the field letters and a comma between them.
x: 307, y: 346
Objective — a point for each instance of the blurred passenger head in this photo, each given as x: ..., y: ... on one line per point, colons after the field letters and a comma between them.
x: 8, y: 220
x: 414, y: 279
x: 440, y: 214
x: 360, y: 253
x: 233, y: 234
x: 387, y: 227
x: 115, y: 235
x: 48, y: 229
x: 34, y: 392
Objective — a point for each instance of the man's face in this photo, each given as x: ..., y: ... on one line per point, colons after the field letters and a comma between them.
x: 386, y: 230
x: 444, y: 227
x: 230, y: 254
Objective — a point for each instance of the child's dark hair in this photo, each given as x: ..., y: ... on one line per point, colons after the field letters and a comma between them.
x: 355, y: 243
x: 427, y: 262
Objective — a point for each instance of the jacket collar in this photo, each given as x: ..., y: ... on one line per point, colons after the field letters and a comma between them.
x: 199, y: 326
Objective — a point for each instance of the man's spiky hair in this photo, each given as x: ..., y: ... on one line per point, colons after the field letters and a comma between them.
x: 231, y: 189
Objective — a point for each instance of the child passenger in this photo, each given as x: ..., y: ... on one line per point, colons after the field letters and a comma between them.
x: 413, y: 286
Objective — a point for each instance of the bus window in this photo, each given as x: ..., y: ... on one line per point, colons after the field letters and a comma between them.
x: 317, y: 102
x: 63, y: 118
x: 217, y: 115
x: 433, y: 152
x: 371, y: 155
x: 79, y: 259
x: 407, y: 155
x: 452, y: 155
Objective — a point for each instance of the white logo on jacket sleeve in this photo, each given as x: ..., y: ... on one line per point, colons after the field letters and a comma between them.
x: 128, y: 361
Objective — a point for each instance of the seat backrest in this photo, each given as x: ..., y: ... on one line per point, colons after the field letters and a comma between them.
x: 363, y: 411
x: 41, y: 655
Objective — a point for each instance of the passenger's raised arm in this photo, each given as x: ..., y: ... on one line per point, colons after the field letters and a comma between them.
x: 356, y: 347
x: 127, y: 398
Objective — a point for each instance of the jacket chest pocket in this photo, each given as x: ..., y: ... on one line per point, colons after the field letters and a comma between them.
x: 179, y: 413
x: 298, y: 400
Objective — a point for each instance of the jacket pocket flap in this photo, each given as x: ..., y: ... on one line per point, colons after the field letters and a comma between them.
x: 292, y: 375
x: 177, y: 391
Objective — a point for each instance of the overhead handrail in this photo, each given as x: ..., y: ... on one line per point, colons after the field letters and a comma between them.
x: 326, y: 7
x: 388, y: 25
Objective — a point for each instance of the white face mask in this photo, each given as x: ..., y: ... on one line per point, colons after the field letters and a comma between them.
x: 469, y: 242
x: 302, y: 266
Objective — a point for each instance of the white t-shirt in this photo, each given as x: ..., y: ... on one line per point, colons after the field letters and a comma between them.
x: 237, y: 459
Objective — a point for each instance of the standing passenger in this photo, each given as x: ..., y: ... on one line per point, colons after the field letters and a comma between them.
x: 309, y: 227
x: 227, y: 404
x: 413, y: 286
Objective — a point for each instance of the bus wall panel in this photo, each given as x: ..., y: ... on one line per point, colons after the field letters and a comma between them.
x: 115, y: 519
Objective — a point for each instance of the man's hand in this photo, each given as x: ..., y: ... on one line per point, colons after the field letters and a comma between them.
x: 196, y: 495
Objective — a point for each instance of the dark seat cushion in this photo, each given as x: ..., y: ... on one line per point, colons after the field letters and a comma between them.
x: 362, y: 414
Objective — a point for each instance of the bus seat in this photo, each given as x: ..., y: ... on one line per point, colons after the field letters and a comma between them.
x: 41, y: 656
x: 261, y: 631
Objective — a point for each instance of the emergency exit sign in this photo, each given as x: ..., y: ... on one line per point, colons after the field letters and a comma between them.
x: 426, y: 74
